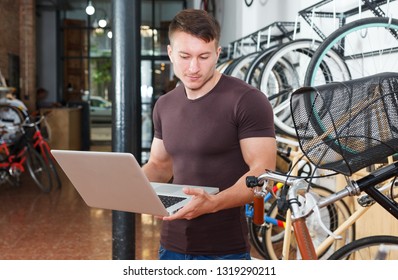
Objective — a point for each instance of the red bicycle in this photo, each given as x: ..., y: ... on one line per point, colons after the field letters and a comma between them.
x: 18, y: 156
x: 19, y: 130
x: 33, y: 133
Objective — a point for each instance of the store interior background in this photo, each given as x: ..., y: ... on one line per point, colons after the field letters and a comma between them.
x: 55, y: 45
x: 34, y: 53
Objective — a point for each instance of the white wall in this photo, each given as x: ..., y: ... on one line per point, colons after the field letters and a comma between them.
x: 246, y: 20
x: 237, y: 20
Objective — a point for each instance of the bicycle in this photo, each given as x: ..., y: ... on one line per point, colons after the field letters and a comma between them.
x: 32, y: 133
x: 267, y: 235
x: 275, y: 246
x: 35, y: 136
x: 343, y: 138
x: 19, y: 154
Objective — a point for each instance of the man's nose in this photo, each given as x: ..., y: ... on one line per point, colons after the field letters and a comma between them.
x: 194, y: 65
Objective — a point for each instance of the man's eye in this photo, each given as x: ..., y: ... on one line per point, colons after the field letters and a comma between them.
x: 204, y: 57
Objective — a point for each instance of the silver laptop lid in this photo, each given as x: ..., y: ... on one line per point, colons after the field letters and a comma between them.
x: 112, y: 180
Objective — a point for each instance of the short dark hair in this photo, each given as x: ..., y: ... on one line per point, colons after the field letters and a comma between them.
x: 198, y: 23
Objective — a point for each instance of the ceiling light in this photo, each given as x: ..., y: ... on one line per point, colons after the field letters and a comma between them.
x: 90, y: 10
x: 102, y: 23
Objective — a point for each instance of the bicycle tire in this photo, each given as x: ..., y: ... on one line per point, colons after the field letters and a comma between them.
x: 282, y: 73
x: 48, y: 159
x: 38, y: 169
x: 368, y: 248
x: 343, y: 40
x: 336, y: 213
x: 256, y: 66
x: 239, y: 66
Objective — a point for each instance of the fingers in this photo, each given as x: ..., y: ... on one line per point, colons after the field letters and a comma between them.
x: 194, y: 208
x: 193, y: 191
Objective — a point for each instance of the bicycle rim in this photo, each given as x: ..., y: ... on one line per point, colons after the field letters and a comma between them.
x: 379, y: 247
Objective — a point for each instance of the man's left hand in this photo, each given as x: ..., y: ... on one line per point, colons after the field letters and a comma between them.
x: 201, y: 203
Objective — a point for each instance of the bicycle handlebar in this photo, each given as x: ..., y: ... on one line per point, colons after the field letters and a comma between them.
x: 268, y: 175
x: 28, y: 123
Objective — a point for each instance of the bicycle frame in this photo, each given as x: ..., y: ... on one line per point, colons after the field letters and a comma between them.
x: 33, y: 135
x: 10, y: 164
x: 297, y: 215
x: 39, y: 142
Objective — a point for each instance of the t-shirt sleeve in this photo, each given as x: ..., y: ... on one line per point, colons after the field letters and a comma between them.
x: 157, y: 127
x: 255, y: 116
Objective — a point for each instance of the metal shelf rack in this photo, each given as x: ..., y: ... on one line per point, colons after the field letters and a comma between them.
x: 314, y: 11
x: 262, y: 39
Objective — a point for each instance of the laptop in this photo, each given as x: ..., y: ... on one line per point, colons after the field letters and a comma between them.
x: 113, y: 180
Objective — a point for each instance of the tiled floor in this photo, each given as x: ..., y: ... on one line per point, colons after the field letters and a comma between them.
x: 58, y: 225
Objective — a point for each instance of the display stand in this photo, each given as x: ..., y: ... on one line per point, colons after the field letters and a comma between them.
x: 328, y: 9
x: 64, y: 128
x: 262, y: 39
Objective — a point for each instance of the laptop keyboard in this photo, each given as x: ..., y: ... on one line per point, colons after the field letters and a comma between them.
x: 170, y: 200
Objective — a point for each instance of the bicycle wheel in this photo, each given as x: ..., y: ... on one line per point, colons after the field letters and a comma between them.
x: 284, y: 72
x: 38, y: 170
x: 252, y: 76
x: 332, y: 216
x: 49, y: 161
x: 239, y: 67
x: 379, y: 247
x: 368, y: 46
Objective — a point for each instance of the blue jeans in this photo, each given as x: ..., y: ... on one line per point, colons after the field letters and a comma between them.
x: 170, y: 255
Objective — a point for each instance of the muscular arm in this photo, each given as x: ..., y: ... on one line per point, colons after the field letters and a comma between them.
x: 259, y: 154
x: 159, y: 168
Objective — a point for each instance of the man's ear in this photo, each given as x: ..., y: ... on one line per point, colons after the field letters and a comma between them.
x: 169, y: 50
x: 219, y: 49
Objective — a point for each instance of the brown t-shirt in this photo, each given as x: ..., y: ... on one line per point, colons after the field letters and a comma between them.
x: 202, y: 136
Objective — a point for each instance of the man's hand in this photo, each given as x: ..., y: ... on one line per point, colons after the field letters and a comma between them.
x: 201, y: 203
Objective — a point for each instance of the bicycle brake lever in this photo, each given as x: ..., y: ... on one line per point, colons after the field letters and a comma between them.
x: 311, y: 205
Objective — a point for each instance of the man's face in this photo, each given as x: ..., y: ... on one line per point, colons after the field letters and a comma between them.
x: 194, y: 60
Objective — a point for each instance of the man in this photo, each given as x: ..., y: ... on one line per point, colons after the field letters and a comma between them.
x: 211, y: 130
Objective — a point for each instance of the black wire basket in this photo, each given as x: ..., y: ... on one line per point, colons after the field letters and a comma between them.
x: 347, y: 126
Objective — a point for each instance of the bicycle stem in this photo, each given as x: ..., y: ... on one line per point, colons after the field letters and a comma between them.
x: 269, y: 175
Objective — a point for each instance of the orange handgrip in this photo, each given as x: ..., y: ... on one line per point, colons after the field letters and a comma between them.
x: 304, y: 241
x: 258, y: 215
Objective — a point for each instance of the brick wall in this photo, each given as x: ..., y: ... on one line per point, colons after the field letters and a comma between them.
x: 18, y: 37
x: 9, y: 30
x: 27, y: 48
